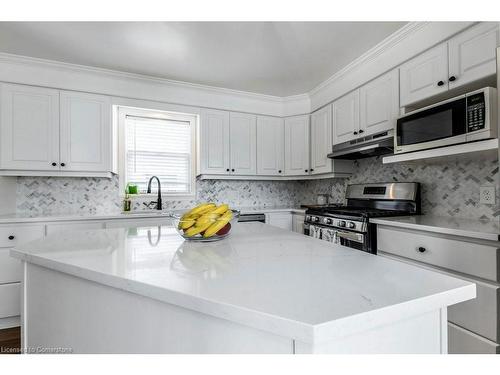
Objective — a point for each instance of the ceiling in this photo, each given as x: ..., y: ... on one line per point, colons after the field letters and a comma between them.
x: 274, y: 58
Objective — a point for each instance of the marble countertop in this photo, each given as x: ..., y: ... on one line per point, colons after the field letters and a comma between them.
x: 260, y: 276
x: 27, y: 218
x: 485, y: 230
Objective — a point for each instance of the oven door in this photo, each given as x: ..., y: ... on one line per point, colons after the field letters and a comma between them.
x: 435, y: 126
x: 355, y: 240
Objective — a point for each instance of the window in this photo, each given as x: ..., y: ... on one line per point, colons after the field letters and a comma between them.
x: 157, y: 143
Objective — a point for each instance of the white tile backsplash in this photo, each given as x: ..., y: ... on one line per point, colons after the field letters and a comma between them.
x: 448, y: 189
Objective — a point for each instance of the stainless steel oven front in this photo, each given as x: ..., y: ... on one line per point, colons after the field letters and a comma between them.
x: 465, y: 118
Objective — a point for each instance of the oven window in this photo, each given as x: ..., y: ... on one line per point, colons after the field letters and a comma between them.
x: 436, y: 123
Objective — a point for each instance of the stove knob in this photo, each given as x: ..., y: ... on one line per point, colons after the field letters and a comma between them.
x: 308, y: 218
x: 328, y: 220
x: 352, y: 225
x: 315, y: 219
x: 341, y: 223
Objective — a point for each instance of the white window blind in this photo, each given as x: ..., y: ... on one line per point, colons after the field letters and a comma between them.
x: 159, y: 147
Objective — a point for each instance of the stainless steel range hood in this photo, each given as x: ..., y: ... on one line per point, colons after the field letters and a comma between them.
x: 372, y: 145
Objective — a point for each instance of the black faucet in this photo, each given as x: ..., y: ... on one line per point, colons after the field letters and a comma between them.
x: 158, y: 201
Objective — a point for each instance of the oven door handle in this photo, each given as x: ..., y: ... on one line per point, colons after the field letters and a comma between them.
x: 351, y: 236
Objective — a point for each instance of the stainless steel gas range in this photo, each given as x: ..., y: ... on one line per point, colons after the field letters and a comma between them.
x: 349, y: 224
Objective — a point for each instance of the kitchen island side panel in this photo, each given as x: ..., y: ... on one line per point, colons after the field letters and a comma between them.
x: 64, y: 311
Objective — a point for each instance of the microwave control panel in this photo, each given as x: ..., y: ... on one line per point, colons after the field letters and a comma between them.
x: 476, y: 113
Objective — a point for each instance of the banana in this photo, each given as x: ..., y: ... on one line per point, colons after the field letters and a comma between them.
x: 187, y: 223
x: 221, y: 209
x: 197, y: 229
x: 200, y: 209
x: 209, y: 217
x: 218, y: 225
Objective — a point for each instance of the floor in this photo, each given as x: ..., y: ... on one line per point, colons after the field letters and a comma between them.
x: 10, y: 340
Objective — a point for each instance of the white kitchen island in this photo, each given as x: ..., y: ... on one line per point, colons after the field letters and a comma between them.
x: 261, y: 290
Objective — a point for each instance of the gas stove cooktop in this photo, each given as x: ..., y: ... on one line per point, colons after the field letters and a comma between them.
x: 350, y: 224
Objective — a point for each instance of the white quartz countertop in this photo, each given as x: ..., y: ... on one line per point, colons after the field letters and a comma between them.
x: 485, y: 230
x: 260, y: 276
x: 27, y: 218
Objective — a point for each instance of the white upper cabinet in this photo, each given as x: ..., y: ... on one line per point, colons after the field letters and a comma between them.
x: 321, y: 140
x: 346, y: 118
x: 29, y: 130
x: 214, y: 142
x: 469, y: 56
x: 270, y: 146
x: 473, y: 54
x: 242, y: 140
x: 425, y: 75
x: 297, y: 145
x: 85, y: 132
x: 379, y: 104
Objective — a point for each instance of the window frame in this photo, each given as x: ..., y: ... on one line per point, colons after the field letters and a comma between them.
x: 193, y: 119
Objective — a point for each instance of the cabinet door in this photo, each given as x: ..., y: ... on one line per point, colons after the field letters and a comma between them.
x: 297, y: 145
x: 86, y: 129
x: 270, y: 146
x: 214, y: 142
x: 346, y: 117
x: 29, y: 128
x: 243, y: 143
x: 321, y: 140
x: 425, y: 75
x: 473, y: 54
x: 280, y: 220
x: 379, y: 104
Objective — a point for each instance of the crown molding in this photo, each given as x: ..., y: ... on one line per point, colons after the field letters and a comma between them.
x: 70, y: 76
x: 397, y: 37
x: 27, y: 60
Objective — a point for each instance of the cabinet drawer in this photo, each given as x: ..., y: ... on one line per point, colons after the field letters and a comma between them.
x: 461, y: 341
x: 479, y: 315
x: 85, y: 225
x: 10, y: 268
x: 10, y: 299
x: 12, y: 235
x: 474, y: 258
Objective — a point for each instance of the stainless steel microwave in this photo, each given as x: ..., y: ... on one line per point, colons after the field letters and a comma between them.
x: 465, y: 118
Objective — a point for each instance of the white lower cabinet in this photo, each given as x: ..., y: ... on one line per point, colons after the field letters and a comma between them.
x: 9, y: 300
x: 298, y: 222
x: 280, y: 219
x: 462, y: 341
x: 473, y: 326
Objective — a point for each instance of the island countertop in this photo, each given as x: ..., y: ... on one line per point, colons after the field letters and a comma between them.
x: 260, y: 276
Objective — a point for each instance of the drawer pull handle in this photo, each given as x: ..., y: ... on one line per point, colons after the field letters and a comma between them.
x: 422, y: 249
x: 11, y: 237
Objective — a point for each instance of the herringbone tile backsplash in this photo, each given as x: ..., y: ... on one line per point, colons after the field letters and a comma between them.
x: 448, y: 189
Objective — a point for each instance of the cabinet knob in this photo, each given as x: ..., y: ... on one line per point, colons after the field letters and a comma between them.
x: 452, y: 78
x: 355, y: 133
x: 312, y: 170
x: 54, y: 164
x: 306, y: 170
x: 232, y: 170
x: 227, y: 170
x: 279, y: 171
x: 422, y: 249
x: 63, y: 164
x: 440, y: 83
x: 11, y: 237
x: 361, y: 131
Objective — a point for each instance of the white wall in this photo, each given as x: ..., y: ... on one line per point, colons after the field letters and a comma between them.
x: 8, y: 195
